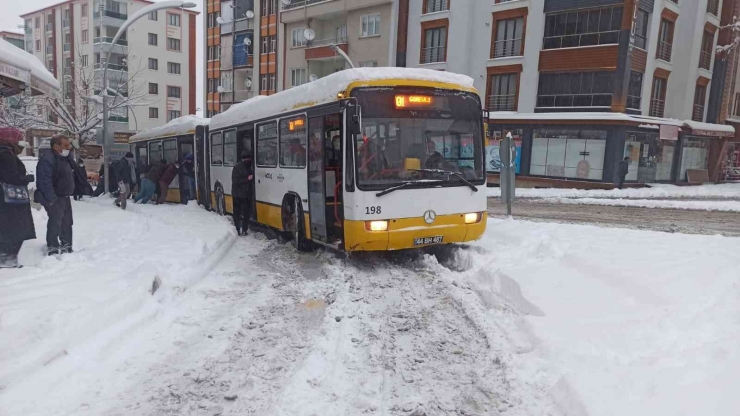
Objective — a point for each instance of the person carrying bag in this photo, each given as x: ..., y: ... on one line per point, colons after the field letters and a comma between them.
x: 16, y: 221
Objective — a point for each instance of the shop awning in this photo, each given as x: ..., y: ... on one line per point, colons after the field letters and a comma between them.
x: 20, y: 70
x: 696, y: 128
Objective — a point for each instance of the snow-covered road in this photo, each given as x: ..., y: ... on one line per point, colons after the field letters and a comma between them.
x: 536, y: 319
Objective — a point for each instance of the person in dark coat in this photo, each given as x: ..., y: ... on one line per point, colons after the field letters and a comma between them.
x: 113, y: 185
x: 125, y: 171
x: 434, y: 158
x: 242, y: 181
x: 149, y: 182
x: 168, y: 175
x: 16, y: 222
x: 188, y: 171
x: 623, y: 169
x: 56, y: 183
x: 80, y: 180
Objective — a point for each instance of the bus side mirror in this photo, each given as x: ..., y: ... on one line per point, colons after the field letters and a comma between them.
x: 353, y: 118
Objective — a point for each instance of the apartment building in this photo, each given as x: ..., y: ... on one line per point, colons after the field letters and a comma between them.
x: 581, y: 84
x: 154, y: 61
x: 13, y: 38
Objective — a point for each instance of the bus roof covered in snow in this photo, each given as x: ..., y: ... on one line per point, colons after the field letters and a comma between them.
x: 177, y: 127
x: 327, y: 89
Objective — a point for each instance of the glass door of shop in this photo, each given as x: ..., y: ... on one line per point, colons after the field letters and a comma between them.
x: 651, y: 159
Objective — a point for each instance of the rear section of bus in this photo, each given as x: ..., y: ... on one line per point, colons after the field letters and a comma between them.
x: 416, y: 164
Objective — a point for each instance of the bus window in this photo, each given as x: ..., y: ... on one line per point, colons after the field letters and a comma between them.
x: 170, y: 150
x: 293, y: 142
x: 230, y: 148
x: 267, y: 145
x: 141, y: 156
x: 217, y: 149
x: 245, y: 137
x: 155, y: 152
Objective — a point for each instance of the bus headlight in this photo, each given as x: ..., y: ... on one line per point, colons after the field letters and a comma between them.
x: 376, y: 225
x: 472, y: 217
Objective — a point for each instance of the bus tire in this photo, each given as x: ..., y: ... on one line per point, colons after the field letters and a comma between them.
x: 300, y: 242
x: 220, y: 200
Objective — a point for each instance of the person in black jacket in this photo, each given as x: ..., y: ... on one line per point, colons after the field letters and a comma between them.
x: 82, y: 186
x: 124, y: 169
x: 242, y: 180
x: 623, y: 170
x: 16, y: 222
x: 56, y: 183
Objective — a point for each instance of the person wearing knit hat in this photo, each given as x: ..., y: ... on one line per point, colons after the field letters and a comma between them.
x: 16, y: 222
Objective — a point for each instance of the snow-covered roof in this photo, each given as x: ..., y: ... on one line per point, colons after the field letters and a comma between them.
x: 325, y: 90
x: 22, y: 66
x: 718, y: 128
x: 179, y: 126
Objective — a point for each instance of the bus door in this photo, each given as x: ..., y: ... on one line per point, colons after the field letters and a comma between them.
x: 245, y: 140
x: 317, y: 201
x: 187, y: 191
x: 201, y: 168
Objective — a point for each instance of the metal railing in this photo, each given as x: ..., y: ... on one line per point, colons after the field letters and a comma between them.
x: 633, y: 102
x: 582, y: 39
x: 107, y: 39
x: 657, y: 108
x: 698, y: 113
x: 713, y: 7
x: 665, y: 50
x: 501, y: 102
x: 325, y: 42
x: 111, y: 67
x: 302, y: 3
x: 433, y: 6
x: 705, y: 60
x: 433, y: 54
x: 111, y: 13
x: 510, y: 47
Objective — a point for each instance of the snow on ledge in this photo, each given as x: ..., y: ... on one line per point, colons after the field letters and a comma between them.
x: 176, y: 127
x: 24, y: 60
x: 325, y: 90
x: 722, y: 128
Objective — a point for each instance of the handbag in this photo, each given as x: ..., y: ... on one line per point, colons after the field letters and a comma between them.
x: 16, y: 194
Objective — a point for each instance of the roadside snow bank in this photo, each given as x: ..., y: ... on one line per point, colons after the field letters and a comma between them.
x: 611, y: 321
x: 700, y: 205
x: 78, y: 304
x: 725, y: 190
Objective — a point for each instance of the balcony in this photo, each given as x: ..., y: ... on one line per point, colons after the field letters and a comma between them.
x: 665, y: 50
x: 433, y: 54
x: 510, y: 47
x: 657, y: 108
x: 301, y: 3
x: 501, y: 103
x: 65, y: 23
x: 49, y: 49
x: 434, y: 6
x: 320, y: 49
x: 110, y: 18
x: 705, y: 60
x: 713, y: 7
x: 122, y: 93
x: 103, y: 45
x: 118, y: 119
x: 111, y: 67
x: 698, y: 113
x: 241, y: 24
x: 49, y: 27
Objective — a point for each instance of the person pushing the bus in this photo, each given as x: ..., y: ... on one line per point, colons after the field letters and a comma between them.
x: 242, y: 180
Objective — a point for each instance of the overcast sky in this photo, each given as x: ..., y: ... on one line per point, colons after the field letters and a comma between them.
x: 10, y: 20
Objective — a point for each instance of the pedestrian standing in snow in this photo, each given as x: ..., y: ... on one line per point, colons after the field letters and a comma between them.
x: 16, y: 222
x: 149, y: 182
x: 80, y: 180
x: 188, y: 171
x: 165, y: 180
x: 623, y: 170
x: 56, y: 183
x: 242, y: 180
x: 125, y: 171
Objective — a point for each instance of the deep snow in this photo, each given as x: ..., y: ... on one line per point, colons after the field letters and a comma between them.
x: 535, y: 319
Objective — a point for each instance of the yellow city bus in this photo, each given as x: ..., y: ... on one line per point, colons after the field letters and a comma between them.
x: 365, y: 159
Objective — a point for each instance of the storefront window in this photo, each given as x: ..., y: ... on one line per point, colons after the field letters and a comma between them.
x: 651, y: 159
x: 493, y: 158
x: 731, y: 164
x: 695, y: 155
x: 568, y: 153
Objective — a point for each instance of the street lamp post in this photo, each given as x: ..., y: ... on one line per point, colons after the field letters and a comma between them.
x: 169, y: 4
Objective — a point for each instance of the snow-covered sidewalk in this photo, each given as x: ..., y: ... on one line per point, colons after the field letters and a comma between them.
x: 655, y: 191
x: 701, y: 205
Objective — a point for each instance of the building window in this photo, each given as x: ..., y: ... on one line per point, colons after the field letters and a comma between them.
x: 641, y: 29
x: 575, y: 89
x: 273, y: 82
x: 83, y: 10
x: 153, y: 88
x: 269, y: 7
x: 241, y: 50
x: 657, y: 97
x: 694, y: 155
x: 582, y: 28
x: 368, y: 64
x: 273, y: 44
x: 665, y: 41
x: 736, y: 111
x: 568, y: 153
x: 700, y: 96
x: 154, y: 64
x: 217, y: 149
x: 297, y: 77
x: 433, y: 49
x: 38, y: 23
x: 370, y: 25
x: 263, y: 50
x: 634, y: 93
x: 173, y: 92
x: 173, y: 68
x: 153, y: 15
x: 503, y: 92
x: 153, y: 39
x: 298, y: 40
x: 38, y: 45
x: 173, y: 19
x: 214, y: 53
x: 433, y: 6
x: 85, y: 36
x: 705, y: 56
x: 509, y: 34
x: 213, y: 19
x: 267, y: 152
x: 84, y: 61
x: 153, y: 111
x: 173, y: 44
x: 172, y: 114
x: 263, y: 82
x: 213, y: 84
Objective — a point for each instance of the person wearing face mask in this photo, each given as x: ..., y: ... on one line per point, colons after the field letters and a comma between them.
x: 56, y: 183
x: 16, y: 222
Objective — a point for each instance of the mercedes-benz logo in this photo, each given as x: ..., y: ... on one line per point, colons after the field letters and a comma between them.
x: 430, y: 216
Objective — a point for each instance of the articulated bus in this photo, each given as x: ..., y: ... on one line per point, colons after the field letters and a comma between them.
x: 365, y: 159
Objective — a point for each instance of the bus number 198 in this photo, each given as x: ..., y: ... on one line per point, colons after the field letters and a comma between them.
x: 372, y: 210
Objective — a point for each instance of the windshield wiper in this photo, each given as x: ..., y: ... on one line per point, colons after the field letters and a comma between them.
x: 401, y: 186
x: 449, y: 173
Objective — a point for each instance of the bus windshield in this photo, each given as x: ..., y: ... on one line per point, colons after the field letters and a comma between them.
x: 427, y: 136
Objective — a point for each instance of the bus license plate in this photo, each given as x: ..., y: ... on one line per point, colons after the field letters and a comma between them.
x: 422, y: 241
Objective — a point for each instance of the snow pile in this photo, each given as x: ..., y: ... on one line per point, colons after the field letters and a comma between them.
x: 611, y: 321
x: 179, y: 126
x: 24, y: 60
x: 733, y: 206
x: 78, y: 304
x: 724, y: 191
x: 325, y: 90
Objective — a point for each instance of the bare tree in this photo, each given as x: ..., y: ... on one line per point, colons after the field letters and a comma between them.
x: 725, y: 50
x: 22, y: 112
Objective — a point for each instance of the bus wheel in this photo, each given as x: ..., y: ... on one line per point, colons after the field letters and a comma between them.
x: 220, y: 201
x: 300, y: 242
